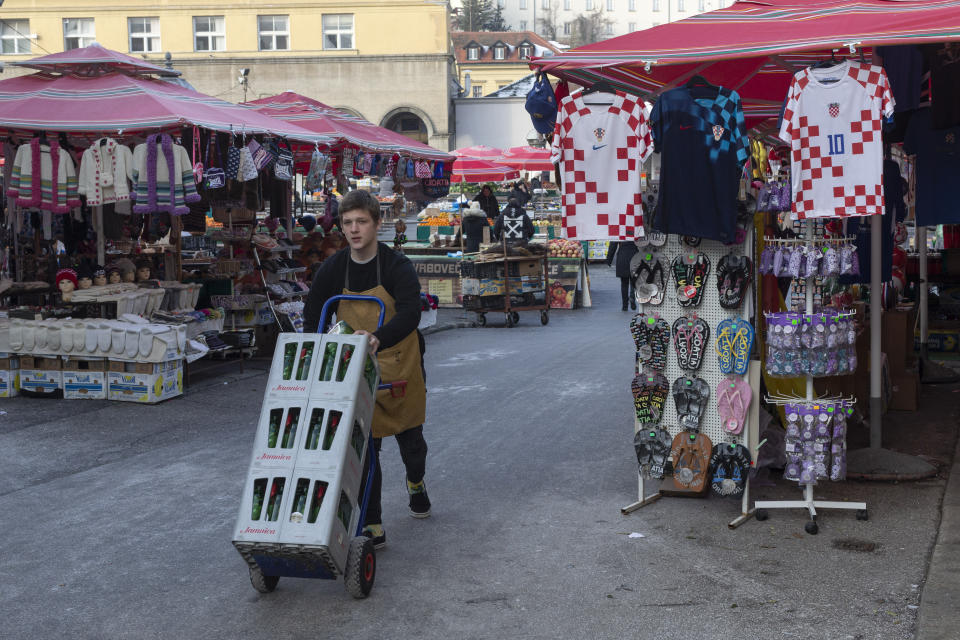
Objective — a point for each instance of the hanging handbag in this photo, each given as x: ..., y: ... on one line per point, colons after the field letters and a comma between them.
x: 197, y: 164
x: 247, y: 170
x: 213, y: 177
x: 422, y: 169
x: 233, y: 160
x: 283, y: 165
x: 260, y: 153
x: 318, y: 166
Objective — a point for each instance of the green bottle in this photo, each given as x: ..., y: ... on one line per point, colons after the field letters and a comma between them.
x: 329, y: 357
x: 275, y: 416
x: 305, y: 356
x: 300, y: 500
x: 331, y: 429
x: 356, y: 439
x: 289, y: 351
x: 345, y: 356
x: 318, y: 493
x: 276, y: 497
x: 341, y: 328
x: 370, y: 373
x: 290, y: 430
x: 259, y: 489
x: 313, y: 434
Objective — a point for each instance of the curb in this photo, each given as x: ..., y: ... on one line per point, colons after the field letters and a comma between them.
x: 463, y: 324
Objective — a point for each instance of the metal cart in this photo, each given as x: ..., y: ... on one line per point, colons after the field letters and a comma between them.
x: 511, y: 301
x: 268, y: 562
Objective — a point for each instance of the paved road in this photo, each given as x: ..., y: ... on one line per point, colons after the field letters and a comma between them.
x: 117, y: 519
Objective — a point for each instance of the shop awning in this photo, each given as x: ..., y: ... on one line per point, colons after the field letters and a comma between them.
x: 754, y: 47
x: 527, y: 159
x: 116, y: 102
x: 92, y: 60
x: 478, y: 170
x: 478, y: 151
x: 341, y: 127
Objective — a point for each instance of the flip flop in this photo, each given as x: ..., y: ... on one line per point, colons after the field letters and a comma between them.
x: 731, y: 465
x: 698, y: 343
x: 641, y: 335
x: 681, y: 341
x: 742, y: 345
x: 698, y: 279
x: 734, y: 274
x: 690, y: 395
x: 730, y: 405
x: 739, y: 400
x: 652, y: 446
x: 650, y: 391
x: 691, y: 460
x: 656, y: 238
x: 724, y: 345
x: 660, y: 344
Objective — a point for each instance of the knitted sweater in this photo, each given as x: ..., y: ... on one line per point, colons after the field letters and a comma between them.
x: 104, y: 172
x: 155, y: 190
x: 32, y: 180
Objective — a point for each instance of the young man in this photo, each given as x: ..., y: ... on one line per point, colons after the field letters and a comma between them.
x: 513, y: 224
x: 368, y: 267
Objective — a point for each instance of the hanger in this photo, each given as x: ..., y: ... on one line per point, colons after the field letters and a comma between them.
x: 699, y: 81
x: 826, y: 64
x: 43, y: 137
x: 700, y: 87
x: 599, y: 87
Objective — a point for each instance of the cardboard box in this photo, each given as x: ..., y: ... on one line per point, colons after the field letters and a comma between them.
x: 85, y: 379
x: 526, y: 268
x: 41, y: 363
x: 9, y: 362
x: 897, y: 338
x: 906, y: 392
x: 41, y: 381
x: 164, y: 382
x: 9, y: 383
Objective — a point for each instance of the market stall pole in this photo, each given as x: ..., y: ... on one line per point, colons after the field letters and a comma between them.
x: 715, y: 45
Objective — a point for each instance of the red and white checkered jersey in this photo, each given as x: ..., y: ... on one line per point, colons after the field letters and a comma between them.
x: 601, y: 149
x: 834, y: 134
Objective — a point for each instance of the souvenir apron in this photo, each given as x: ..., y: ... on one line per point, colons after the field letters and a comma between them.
x: 400, y: 362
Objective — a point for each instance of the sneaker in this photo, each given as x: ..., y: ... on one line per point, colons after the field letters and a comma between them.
x: 419, y: 502
x: 376, y: 533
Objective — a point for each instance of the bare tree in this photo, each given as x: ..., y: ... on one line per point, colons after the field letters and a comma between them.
x: 589, y: 27
x: 549, y: 21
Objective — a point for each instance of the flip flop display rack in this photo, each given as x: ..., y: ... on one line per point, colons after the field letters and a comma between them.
x: 693, y: 342
x: 800, y: 344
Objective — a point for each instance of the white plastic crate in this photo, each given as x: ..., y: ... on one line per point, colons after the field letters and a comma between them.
x: 335, y: 435
x: 266, y: 498
x: 295, y: 362
x: 323, y: 526
x: 343, y: 370
x: 279, y: 432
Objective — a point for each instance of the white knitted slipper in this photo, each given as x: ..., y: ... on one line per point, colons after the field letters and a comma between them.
x: 53, y: 338
x: 29, y: 337
x: 16, y: 335
x: 133, y: 341
x: 118, y: 337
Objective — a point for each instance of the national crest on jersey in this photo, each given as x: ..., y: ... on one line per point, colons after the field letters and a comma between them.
x: 833, y: 121
x: 717, y: 132
x: 600, y: 149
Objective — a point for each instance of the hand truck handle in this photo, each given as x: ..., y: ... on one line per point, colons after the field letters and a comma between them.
x: 326, y: 308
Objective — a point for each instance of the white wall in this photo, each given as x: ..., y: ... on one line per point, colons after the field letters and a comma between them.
x: 495, y: 122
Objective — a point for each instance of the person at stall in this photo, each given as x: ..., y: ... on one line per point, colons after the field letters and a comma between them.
x: 513, y: 225
x: 371, y: 268
x: 488, y: 201
x: 473, y: 221
x: 520, y: 193
x: 623, y: 252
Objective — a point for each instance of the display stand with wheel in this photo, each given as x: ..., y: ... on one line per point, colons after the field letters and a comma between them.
x: 306, y: 494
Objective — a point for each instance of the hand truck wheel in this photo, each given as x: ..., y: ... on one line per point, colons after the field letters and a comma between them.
x: 361, y: 569
x: 515, y: 316
x: 262, y: 583
x: 544, y: 317
x: 508, y: 319
x: 481, y: 319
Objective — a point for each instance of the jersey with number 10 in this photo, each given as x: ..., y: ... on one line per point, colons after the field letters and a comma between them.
x: 833, y: 129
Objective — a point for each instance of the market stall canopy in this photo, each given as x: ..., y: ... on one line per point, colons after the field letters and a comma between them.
x: 478, y: 151
x: 116, y: 102
x: 342, y: 127
x: 94, y: 59
x: 527, y: 159
x: 478, y: 170
x: 754, y: 47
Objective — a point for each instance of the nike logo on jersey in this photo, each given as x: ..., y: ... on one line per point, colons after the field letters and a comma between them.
x: 598, y: 146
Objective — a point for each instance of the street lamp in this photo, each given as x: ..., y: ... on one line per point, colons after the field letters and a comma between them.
x: 243, y: 80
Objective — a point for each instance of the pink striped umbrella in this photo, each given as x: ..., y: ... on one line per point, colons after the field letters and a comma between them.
x: 527, y: 158
x: 479, y: 170
x: 478, y: 151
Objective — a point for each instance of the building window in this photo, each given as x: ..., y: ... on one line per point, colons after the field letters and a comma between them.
x: 525, y: 51
x: 338, y: 31
x: 631, y: 27
x: 679, y: 5
x: 78, y: 32
x: 14, y: 36
x: 632, y: 5
x: 702, y: 5
x: 209, y: 34
x: 566, y: 5
x: 656, y: 5
x: 566, y: 28
x: 144, y: 34
x: 499, y: 52
x: 477, y: 91
x: 589, y: 6
x: 609, y: 29
x: 523, y: 25
x: 610, y: 6
x: 502, y: 3
x: 473, y: 53
x: 274, y: 33
x: 545, y: 4
x: 523, y: 4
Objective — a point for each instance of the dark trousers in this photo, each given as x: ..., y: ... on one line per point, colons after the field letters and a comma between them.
x: 626, y: 290
x: 413, y: 452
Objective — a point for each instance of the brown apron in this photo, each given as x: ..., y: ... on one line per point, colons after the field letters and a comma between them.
x: 400, y: 362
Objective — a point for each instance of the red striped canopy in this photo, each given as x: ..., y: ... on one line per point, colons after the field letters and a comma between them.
x: 115, y: 102
x: 345, y: 128
x: 527, y: 159
x: 94, y: 59
x: 755, y: 47
x: 477, y: 170
x: 478, y: 151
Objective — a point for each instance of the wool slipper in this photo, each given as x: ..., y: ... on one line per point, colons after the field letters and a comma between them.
x: 117, y: 338
x: 29, y: 337
x: 131, y: 345
x: 53, y: 338
x: 16, y: 335
x: 40, y: 337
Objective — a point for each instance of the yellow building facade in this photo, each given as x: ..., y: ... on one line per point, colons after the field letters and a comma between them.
x: 387, y: 60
